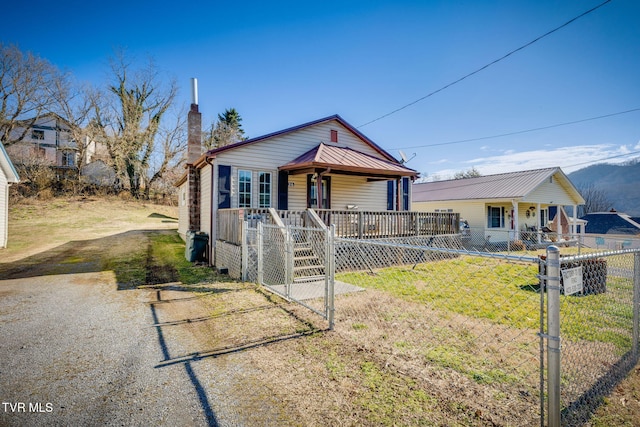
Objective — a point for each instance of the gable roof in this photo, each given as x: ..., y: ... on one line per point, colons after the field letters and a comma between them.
x: 513, y: 185
x: 352, y: 129
x: 346, y: 160
x: 611, y: 223
x: 7, y: 167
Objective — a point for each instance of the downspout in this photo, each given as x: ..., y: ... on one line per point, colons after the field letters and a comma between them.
x: 212, y: 227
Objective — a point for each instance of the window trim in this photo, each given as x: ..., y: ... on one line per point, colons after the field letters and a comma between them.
x: 490, y: 217
x: 243, y: 193
x: 261, y: 185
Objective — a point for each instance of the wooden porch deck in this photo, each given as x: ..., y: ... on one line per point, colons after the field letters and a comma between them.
x: 348, y: 223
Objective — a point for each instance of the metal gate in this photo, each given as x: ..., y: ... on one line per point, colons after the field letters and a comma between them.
x: 296, y: 263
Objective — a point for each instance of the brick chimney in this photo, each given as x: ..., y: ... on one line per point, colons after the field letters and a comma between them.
x: 194, y: 150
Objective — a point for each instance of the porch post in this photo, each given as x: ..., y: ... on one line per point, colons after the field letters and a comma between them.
x: 516, y: 222
x: 540, y: 224
x: 319, y: 189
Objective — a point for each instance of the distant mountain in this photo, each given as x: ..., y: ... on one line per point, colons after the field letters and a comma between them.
x: 620, y: 183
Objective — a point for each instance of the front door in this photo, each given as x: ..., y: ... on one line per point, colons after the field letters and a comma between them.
x: 324, y: 190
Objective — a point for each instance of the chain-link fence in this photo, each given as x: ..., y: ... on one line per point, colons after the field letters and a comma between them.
x: 462, y: 325
x: 293, y: 262
x: 463, y: 318
x: 597, y: 308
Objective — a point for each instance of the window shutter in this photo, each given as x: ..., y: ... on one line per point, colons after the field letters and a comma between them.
x: 224, y: 187
x: 390, y: 193
x: 405, y: 193
x: 283, y: 190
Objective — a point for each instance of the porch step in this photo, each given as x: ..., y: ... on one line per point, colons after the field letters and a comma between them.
x: 307, y: 279
x: 307, y: 265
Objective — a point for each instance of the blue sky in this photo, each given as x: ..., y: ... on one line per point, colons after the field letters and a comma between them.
x: 283, y: 63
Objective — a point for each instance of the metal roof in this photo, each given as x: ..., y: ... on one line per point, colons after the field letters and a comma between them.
x: 513, y: 185
x: 611, y: 223
x: 346, y: 160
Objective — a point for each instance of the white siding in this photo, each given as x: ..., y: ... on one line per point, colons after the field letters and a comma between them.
x: 551, y: 193
x: 4, y: 210
x: 355, y: 190
x: 268, y: 155
x: 205, y: 199
x: 274, y: 152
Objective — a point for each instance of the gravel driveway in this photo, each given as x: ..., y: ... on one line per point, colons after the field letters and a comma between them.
x: 75, y: 350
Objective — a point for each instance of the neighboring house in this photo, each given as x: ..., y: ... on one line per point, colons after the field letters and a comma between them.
x: 510, y: 206
x: 8, y: 176
x: 49, y: 140
x: 326, y: 165
x: 611, y: 222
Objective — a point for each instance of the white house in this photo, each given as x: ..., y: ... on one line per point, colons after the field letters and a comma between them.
x: 325, y: 165
x: 8, y: 176
x: 506, y: 205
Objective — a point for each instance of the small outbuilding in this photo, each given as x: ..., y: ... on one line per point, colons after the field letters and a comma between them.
x: 8, y: 176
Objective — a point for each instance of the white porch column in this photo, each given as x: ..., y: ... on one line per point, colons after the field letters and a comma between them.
x: 516, y: 222
x: 539, y: 225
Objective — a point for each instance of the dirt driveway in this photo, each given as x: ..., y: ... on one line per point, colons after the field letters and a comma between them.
x: 77, y: 350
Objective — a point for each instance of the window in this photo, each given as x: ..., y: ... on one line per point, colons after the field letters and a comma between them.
x: 264, y: 180
x: 544, y: 217
x: 244, y: 189
x: 68, y: 159
x: 334, y: 135
x: 37, y: 134
x: 495, y: 217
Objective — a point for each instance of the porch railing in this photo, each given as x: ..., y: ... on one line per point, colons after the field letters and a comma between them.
x: 384, y: 224
x: 353, y: 224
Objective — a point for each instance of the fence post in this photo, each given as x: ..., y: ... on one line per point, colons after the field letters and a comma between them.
x: 260, y: 254
x: 636, y: 303
x: 289, y: 261
x: 245, y: 250
x: 553, y: 335
x: 330, y: 274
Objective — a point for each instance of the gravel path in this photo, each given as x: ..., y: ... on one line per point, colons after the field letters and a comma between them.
x: 77, y: 351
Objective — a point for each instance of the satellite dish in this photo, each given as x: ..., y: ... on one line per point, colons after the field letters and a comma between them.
x: 403, y: 156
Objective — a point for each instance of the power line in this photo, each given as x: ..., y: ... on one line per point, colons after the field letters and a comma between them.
x: 464, y: 182
x: 606, y: 158
x: 522, y: 131
x: 487, y: 65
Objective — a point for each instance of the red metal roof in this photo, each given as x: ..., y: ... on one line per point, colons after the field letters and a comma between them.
x: 347, y: 160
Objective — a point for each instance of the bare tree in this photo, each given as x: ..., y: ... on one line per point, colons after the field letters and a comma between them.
x: 29, y: 87
x: 173, y: 144
x: 128, y: 118
x: 471, y: 173
x: 595, y: 200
